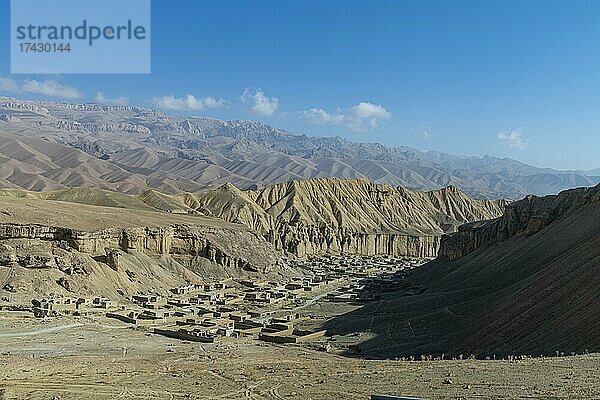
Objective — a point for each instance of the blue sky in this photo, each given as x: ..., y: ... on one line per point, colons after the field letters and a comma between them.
x: 517, y: 79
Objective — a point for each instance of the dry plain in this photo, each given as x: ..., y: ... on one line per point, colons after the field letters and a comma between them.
x: 99, y: 358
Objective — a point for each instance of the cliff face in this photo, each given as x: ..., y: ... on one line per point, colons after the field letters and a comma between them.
x: 305, y: 218
x: 226, y: 248
x: 336, y: 216
x: 305, y: 241
x: 38, y: 260
x: 72, y: 248
x: 528, y: 216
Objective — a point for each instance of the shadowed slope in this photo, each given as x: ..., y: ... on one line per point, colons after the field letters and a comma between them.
x: 519, y: 291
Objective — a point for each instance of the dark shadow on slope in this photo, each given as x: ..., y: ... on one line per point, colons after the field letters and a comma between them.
x: 526, y: 296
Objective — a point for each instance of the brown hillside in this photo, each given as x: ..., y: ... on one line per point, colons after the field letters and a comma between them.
x: 523, y: 287
x: 314, y: 216
x: 355, y: 216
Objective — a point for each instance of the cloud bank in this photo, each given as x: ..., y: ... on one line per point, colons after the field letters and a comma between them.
x: 188, y: 103
x: 119, y: 101
x: 360, y: 117
x: 49, y: 88
x: 9, y: 85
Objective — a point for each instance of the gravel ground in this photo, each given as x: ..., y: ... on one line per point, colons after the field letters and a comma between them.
x: 98, y: 359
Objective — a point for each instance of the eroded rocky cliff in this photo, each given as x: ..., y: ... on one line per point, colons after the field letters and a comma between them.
x: 314, y: 216
x: 527, y: 216
x: 54, y: 247
x: 355, y: 216
x: 225, y: 247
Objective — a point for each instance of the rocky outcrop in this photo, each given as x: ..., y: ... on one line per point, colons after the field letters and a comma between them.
x: 527, y: 217
x: 100, y: 107
x: 32, y: 106
x: 312, y: 240
x: 116, y: 127
x: 16, y: 231
x: 8, y: 255
x: 229, y: 248
x: 337, y: 216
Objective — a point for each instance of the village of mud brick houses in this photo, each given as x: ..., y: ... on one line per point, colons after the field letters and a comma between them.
x: 236, y: 308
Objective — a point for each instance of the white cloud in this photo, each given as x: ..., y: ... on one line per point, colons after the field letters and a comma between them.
x: 514, y: 139
x: 119, y: 101
x: 188, y: 103
x: 368, y: 110
x: 9, y: 85
x: 259, y: 103
x: 51, y: 89
x: 360, y: 117
x: 321, y: 117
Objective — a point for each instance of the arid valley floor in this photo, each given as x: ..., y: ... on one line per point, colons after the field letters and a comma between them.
x: 84, y: 358
x: 92, y: 356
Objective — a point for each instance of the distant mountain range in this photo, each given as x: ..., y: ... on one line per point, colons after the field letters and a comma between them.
x: 50, y: 146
